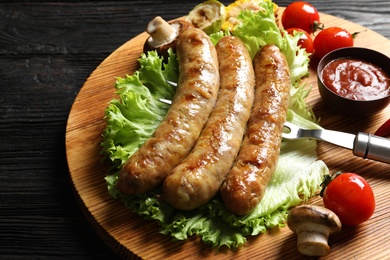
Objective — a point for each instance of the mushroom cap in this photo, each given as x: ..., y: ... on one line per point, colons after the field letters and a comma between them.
x: 178, y: 26
x: 316, y: 215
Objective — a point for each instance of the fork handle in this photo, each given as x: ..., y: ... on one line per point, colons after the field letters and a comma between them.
x: 372, y: 147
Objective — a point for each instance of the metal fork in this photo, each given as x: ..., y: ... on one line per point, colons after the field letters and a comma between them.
x: 362, y: 144
x: 338, y: 138
x: 167, y: 101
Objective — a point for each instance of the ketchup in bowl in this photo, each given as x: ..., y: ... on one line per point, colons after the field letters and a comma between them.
x: 356, y: 79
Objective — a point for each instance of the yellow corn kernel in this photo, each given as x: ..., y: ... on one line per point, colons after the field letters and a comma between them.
x: 234, y: 9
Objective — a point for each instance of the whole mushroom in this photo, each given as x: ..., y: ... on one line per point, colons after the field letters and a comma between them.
x: 163, y: 35
x: 313, y: 225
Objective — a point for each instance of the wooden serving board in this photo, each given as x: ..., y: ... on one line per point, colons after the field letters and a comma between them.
x: 130, y: 236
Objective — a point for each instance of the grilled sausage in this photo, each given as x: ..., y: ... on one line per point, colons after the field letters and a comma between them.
x: 245, y: 184
x: 176, y: 135
x: 200, y: 175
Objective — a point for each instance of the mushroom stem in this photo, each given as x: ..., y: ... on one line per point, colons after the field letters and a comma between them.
x: 313, y: 243
x: 160, y: 31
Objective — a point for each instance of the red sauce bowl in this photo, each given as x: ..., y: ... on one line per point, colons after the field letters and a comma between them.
x: 348, y: 106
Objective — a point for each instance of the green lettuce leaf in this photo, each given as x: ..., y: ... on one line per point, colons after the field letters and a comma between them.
x: 133, y: 117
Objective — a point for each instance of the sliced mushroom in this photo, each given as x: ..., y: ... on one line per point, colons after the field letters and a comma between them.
x: 163, y: 35
x: 313, y: 225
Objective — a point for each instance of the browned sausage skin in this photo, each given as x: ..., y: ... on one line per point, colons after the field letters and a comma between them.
x: 176, y: 135
x: 200, y: 175
x: 245, y: 184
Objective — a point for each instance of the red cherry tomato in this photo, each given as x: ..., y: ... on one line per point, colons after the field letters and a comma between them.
x: 350, y: 197
x: 305, y: 41
x: 330, y: 39
x: 384, y: 130
x: 301, y: 15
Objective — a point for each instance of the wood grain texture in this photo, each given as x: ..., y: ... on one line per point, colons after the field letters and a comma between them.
x: 47, y: 51
x: 83, y: 138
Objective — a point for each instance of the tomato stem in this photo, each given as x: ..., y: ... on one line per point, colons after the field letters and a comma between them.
x: 327, y: 179
x: 316, y: 26
x: 355, y: 34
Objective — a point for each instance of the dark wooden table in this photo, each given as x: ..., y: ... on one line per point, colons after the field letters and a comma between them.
x: 47, y: 51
